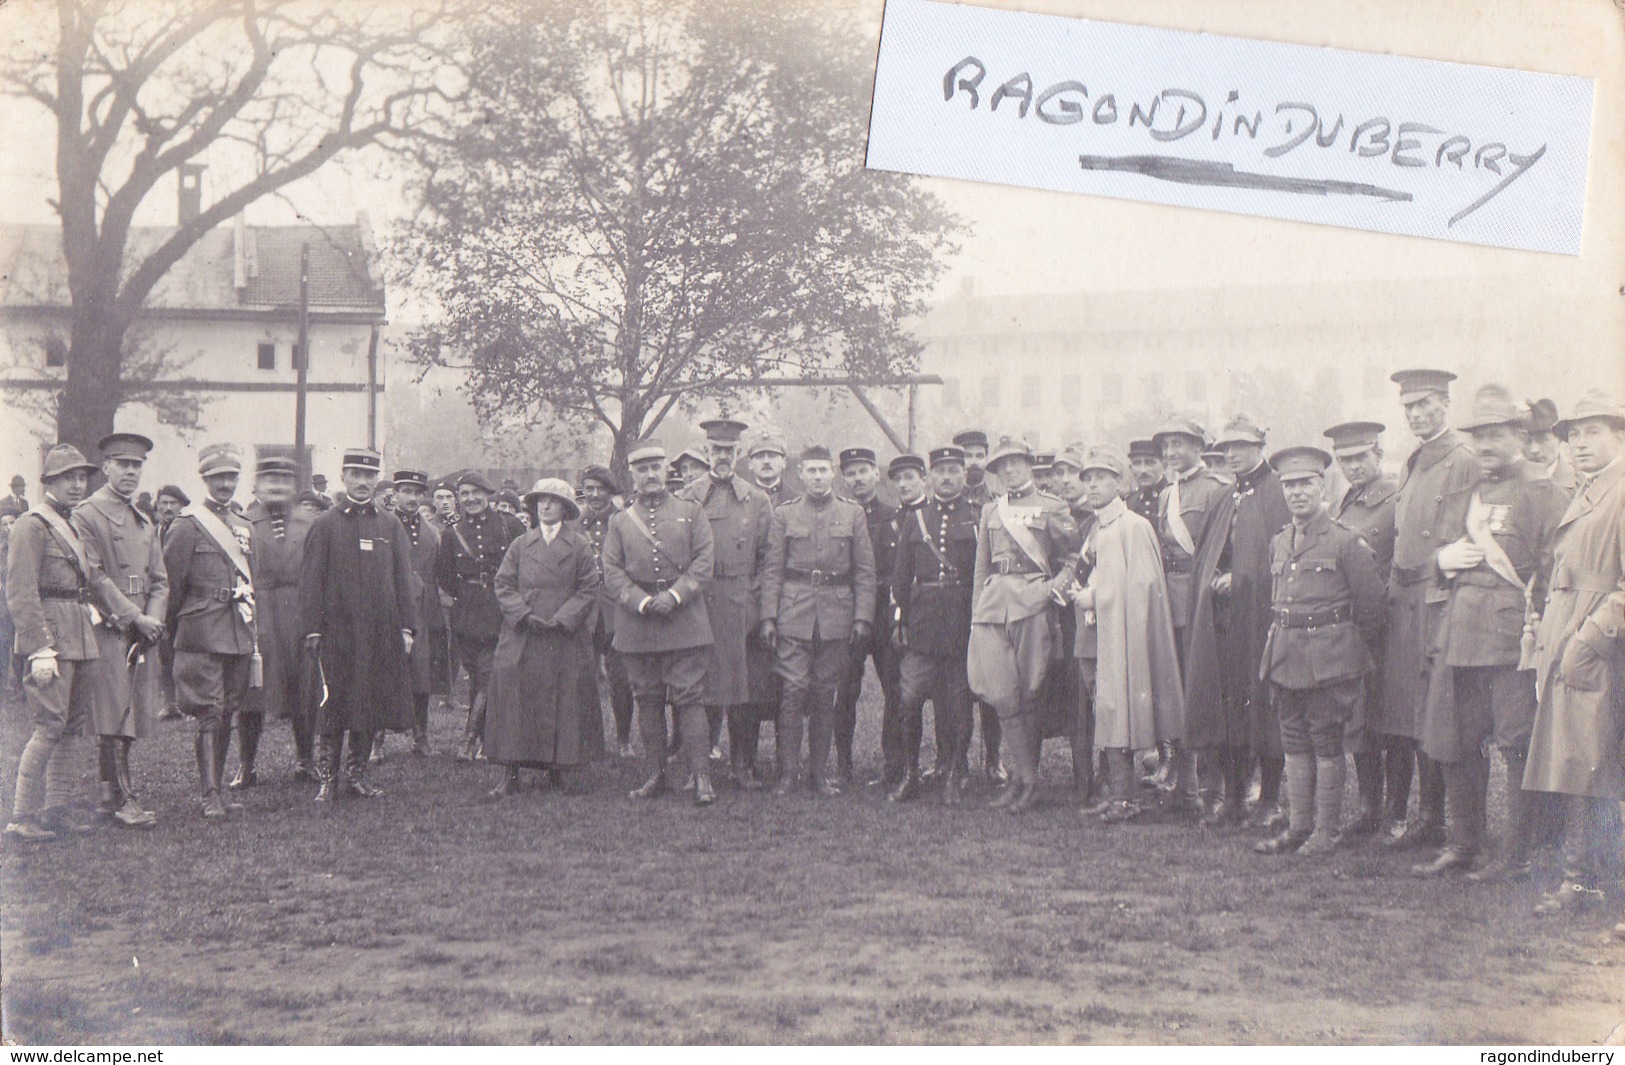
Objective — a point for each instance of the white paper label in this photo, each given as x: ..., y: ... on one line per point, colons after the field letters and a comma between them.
x: 1481, y: 155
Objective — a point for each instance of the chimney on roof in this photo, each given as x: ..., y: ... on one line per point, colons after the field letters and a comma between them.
x: 189, y: 202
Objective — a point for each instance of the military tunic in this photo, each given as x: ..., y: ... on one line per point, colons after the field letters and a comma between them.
x: 1428, y: 513
x: 279, y: 548
x: 1147, y: 501
x: 932, y: 568
x: 1328, y: 604
x: 465, y: 569
x: 213, y: 639
x: 661, y: 543
x: 127, y: 699
x: 1014, y: 630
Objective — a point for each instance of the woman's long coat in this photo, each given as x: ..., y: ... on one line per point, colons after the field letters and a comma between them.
x: 544, y: 690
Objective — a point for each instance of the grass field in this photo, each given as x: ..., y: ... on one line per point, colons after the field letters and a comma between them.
x: 427, y: 917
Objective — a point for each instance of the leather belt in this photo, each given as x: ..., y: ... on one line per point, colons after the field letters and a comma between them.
x: 820, y: 578
x: 1313, y: 619
x: 942, y: 584
x: 1017, y: 566
x: 1410, y: 576
x: 81, y: 595
x: 1177, y: 566
x: 654, y: 587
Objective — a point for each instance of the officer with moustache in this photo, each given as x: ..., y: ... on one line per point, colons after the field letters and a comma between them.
x: 931, y: 578
x: 736, y: 681
x: 860, y: 472
x: 212, y: 611
x: 767, y: 462
x: 1146, y: 469
x: 125, y: 672
x: 658, y: 558
x: 279, y: 533
x: 1482, y: 692
x: 981, y: 489
x: 1367, y: 507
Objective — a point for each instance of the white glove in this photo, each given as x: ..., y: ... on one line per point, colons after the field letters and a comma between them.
x: 42, y: 671
x: 1459, y: 556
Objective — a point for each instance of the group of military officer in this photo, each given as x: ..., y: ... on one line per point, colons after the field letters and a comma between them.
x: 1237, y: 621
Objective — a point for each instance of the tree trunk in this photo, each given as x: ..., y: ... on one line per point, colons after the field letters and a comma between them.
x: 93, y: 392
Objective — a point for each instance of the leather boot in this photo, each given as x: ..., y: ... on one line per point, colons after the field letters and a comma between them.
x: 304, y: 746
x: 249, y: 727
x: 222, y: 750
x: 131, y: 813
x: 209, y: 772
x: 1512, y: 861
x: 420, y: 727
x: 109, y: 796
x: 326, y: 765
x: 704, y: 793
x: 655, y: 785
x: 508, y: 785
x: 355, y: 767
x: 909, y: 737
x: 473, y: 730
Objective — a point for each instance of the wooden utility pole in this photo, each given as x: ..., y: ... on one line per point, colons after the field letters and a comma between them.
x: 302, y: 368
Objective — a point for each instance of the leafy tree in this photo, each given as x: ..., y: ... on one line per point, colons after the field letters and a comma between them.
x: 653, y: 200
x: 139, y: 90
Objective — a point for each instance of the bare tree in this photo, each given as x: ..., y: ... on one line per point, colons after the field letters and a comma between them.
x: 652, y: 200
x: 137, y: 90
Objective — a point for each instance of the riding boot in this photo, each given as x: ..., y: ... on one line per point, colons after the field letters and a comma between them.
x: 110, y: 797
x: 326, y: 764
x: 304, y: 740
x: 474, y: 730
x: 792, y: 723
x: 130, y: 813
x: 1430, y: 788
x: 222, y: 748
x: 355, y: 767
x: 820, y: 737
x: 992, y: 739
x: 1399, y: 764
x: 1512, y: 863
x: 651, y: 722
x: 248, y: 745
x: 912, y: 732
x: 209, y: 771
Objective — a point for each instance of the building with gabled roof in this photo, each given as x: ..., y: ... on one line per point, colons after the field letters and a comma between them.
x: 218, y: 334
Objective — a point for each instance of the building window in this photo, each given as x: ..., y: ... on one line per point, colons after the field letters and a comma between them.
x: 1031, y: 389
x: 267, y: 356
x: 950, y: 392
x: 56, y: 352
x: 1111, y: 389
x: 1071, y: 390
x: 1196, y: 387
x: 990, y: 392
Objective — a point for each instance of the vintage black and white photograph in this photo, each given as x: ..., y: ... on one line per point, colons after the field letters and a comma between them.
x: 869, y: 522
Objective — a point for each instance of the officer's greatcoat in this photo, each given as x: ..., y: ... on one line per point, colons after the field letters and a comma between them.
x: 1580, y: 726
x: 126, y: 697
x: 740, y: 515
x: 276, y: 604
